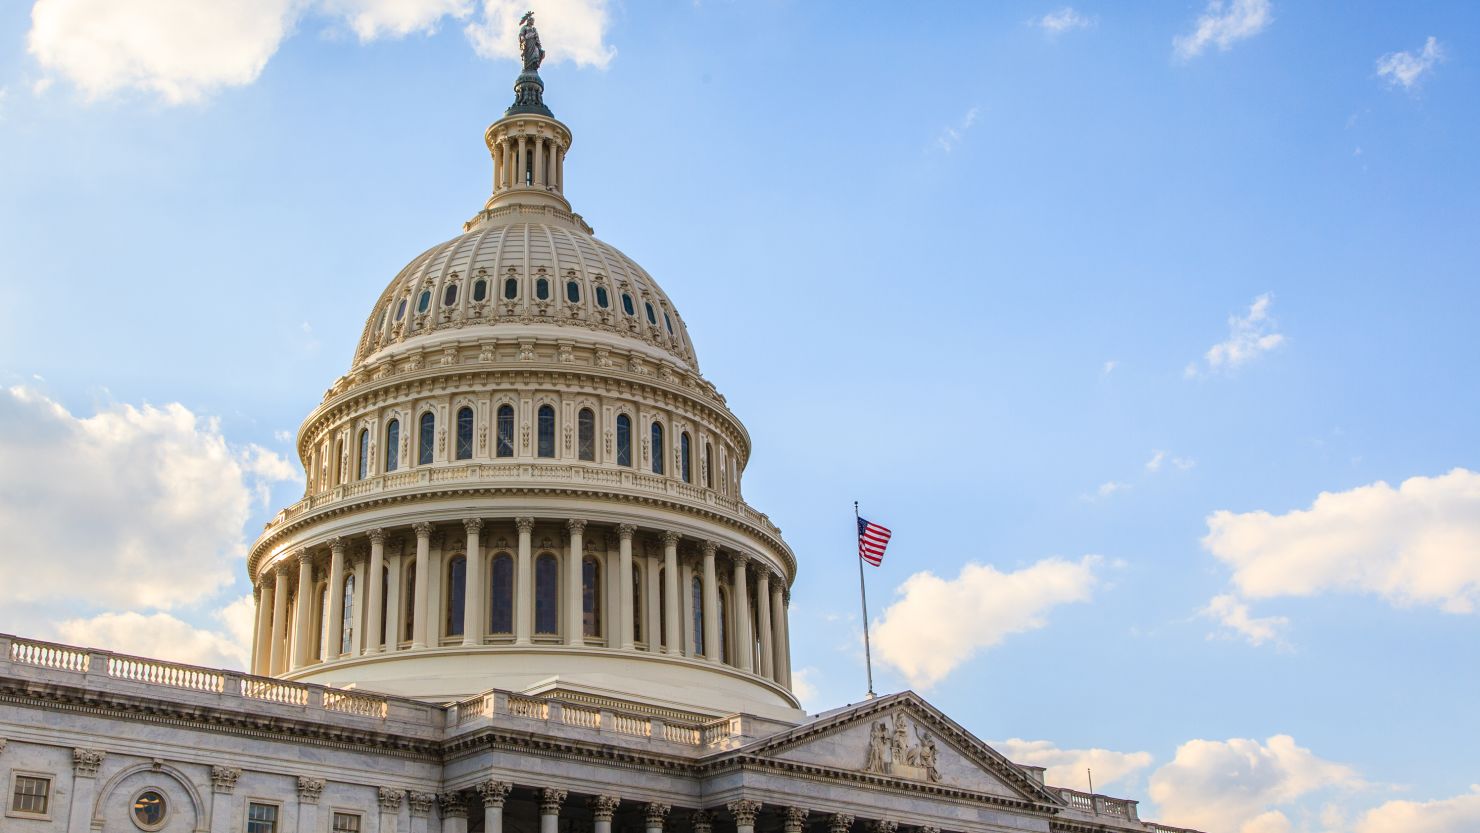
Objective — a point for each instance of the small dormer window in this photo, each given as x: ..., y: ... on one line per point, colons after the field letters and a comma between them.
x: 449, y: 295
x: 668, y: 322
x: 573, y: 292
x: 601, y: 297
x: 511, y: 288
x: 627, y: 306
x: 480, y: 290
x: 652, y: 319
x: 401, y: 310
x: 424, y: 302
x: 542, y: 289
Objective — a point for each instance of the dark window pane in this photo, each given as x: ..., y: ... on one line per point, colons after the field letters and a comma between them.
x: 401, y: 310
x: 457, y: 595
x: 573, y: 292
x: 627, y: 306
x: 409, y: 602
x: 590, y: 597
x: 465, y: 434
x: 449, y: 295
x: 683, y: 458
x: 636, y: 603
x: 424, y: 301
x: 624, y: 440
x: 601, y: 298
x: 501, y: 610
x: 546, y: 431
x: 505, y: 431
x: 546, y: 591
x: 480, y: 290
x: 658, y: 448
x: 392, y: 445
x: 652, y: 319
x: 426, y: 440
x: 364, y: 453
x: 542, y: 289
x: 511, y: 288
x: 347, y: 636
x: 586, y: 429
x: 668, y: 322
x: 697, y: 591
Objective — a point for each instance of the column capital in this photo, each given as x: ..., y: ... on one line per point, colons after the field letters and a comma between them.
x: 655, y: 813
x: 929, y: 829
x: 603, y: 807
x: 709, y: 548
x: 421, y: 803
x: 839, y: 823
x: 302, y: 555
x: 85, y: 762
x: 740, y: 559
x: 701, y: 822
x: 744, y: 811
x: 337, y: 543
x: 472, y: 525
x: 795, y: 819
x: 390, y: 799
x: 883, y: 826
x: 494, y: 792
x: 309, y: 790
x: 223, y: 779
x: 550, y: 801
x: 283, y: 568
x: 423, y: 530
x: 626, y: 531
x: 452, y: 805
x: 671, y: 538
x: 576, y: 525
x: 525, y: 525
x: 376, y: 535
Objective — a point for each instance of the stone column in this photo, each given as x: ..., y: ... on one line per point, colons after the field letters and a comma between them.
x: 393, y: 603
x: 454, y: 813
x: 839, y: 823
x: 539, y: 162
x: 624, y: 581
x: 357, y: 608
x: 390, y: 808
x: 778, y: 632
x: 508, y: 173
x: 309, y: 790
x: 763, y: 617
x: 493, y: 794
x: 603, y: 807
x: 744, y: 645
x: 711, y: 604
x: 421, y: 808
x: 784, y: 655
x: 654, y: 815
x: 686, y: 581
x: 302, y: 630
x: 520, y: 163
x: 223, y: 784
x: 524, y: 584
x: 700, y: 822
x: 674, y: 622
x: 336, y: 599
x: 550, y: 801
x: 794, y: 820
x: 573, y: 619
x: 279, y: 618
x: 85, y: 763
x: 744, y: 812
x: 261, y: 666
x: 650, y: 591
x: 883, y: 826
x: 473, y: 624
x: 423, y: 578
x: 373, y: 623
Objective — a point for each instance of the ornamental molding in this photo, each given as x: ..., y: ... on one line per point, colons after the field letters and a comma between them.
x: 309, y: 790
x: 550, y: 801
x: 839, y: 823
x: 794, y: 819
x: 701, y: 822
x: 453, y: 806
x: 421, y: 803
x: 744, y: 811
x: 223, y: 779
x: 493, y: 793
x: 654, y: 814
x: 389, y: 799
x: 85, y: 762
x: 603, y: 807
x: 893, y: 751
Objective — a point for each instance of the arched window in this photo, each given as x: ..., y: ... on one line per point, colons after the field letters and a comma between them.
x: 392, y: 445
x: 385, y: 581
x: 724, y: 626
x: 457, y: 594
x: 636, y: 603
x: 586, y: 434
x: 424, y: 301
x: 590, y: 597
x: 624, y: 440
x: 480, y: 290
x: 573, y: 292
x: 662, y: 608
x: 505, y: 431
x: 364, y: 453
x: 542, y: 289
x: 652, y: 319
x: 627, y: 306
x: 546, y: 431
x: 426, y: 439
x: 465, y: 434
x: 511, y: 288
x: 338, y: 463
x: 684, y: 470
x: 401, y: 310
x: 546, y: 594
x: 708, y: 465
x: 601, y: 297
x: 658, y: 448
x: 449, y: 295
x: 696, y: 590
x: 668, y: 322
x: 408, y: 603
x: 501, y: 595
x: 347, y: 636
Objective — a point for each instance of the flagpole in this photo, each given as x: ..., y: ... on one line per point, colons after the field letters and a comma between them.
x: 868, y: 658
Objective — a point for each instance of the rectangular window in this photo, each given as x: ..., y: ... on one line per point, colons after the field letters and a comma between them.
x: 346, y: 823
x: 262, y: 818
x: 32, y: 795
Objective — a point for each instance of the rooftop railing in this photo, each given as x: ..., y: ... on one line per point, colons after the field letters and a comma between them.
x: 1099, y: 805
x: 495, y: 706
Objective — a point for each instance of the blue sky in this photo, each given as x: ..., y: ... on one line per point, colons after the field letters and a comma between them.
x: 1163, y: 317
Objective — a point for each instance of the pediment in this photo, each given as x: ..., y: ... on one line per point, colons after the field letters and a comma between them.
x: 904, y: 739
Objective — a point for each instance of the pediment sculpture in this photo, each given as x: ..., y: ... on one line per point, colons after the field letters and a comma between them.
x: 890, y: 751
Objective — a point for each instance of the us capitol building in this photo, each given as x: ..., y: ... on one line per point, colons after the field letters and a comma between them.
x: 522, y: 594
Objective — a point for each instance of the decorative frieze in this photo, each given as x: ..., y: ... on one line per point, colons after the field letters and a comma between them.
x: 892, y: 752
x: 421, y: 803
x: 85, y: 762
x: 309, y: 790
x: 223, y: 779
x: 389, y: 799
x: 603, y: 807
x: 494, y: 792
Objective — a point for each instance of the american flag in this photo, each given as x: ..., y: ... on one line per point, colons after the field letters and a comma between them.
x: 872, y: 539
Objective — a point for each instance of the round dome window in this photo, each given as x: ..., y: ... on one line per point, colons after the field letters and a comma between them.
x: 150, y: 810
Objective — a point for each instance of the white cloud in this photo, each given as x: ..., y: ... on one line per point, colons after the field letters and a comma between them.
x: 1063, y: 20
x: 123, y: 497
x: 1067, y: 767
x: 1234, y: 615
x: 952, y: 136
x: 1157, y: 458
x: 1249, y: 335
x: 1416, y: 544
x: 1109, y: 367
x: 1222, y: 24
x: 1405, y: 69
x: 1238, y: 785
x: 372, y: 19
x: 570, y: 30
x: 1160, y: 458
x: 804, y: 686
x: 162, y: 636
x: 181, y: 49
x: 987, y: 606
x: 1460, y: 814
x: 1107, y: 489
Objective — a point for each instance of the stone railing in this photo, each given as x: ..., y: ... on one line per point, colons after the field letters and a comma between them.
x: 1162, y: 828
x: 496, y: 706
x: 94, y: 669
x: 1100, y: 805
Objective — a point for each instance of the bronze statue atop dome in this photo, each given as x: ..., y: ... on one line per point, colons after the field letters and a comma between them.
x: 528, y: 88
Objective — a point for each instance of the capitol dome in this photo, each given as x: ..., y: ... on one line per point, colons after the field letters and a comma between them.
x: 524, y: 484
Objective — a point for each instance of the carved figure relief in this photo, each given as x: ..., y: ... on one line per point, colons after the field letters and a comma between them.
x: 891, y: 753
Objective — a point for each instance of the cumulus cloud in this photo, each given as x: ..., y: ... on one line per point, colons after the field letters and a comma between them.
x: 570, y: 30
x: 1066, y: 767
x: 162, y: 636
x: 804, y: 686
x: 1234, y: 615
x: 1223, y: 24
x: 985, y: 605
x: 372, y: 19
x: 1063, y: 20
x: 1107, y: 489
x: 123, y: 497
x: 1418, y: 543
x: 1249, y: 336
x: 1460, y: 814
x: 181, y: 49
x: 1239, y: 785
x: 950, y: 137
x: 1160, y: 458
x: 1404, y: 69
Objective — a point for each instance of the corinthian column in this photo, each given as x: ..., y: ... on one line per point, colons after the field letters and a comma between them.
x: 672, y: 623
x: 302, y: 630
x: 393, y: 603
x: 574, y: 632
x: 336, y: 599
x: 711, y: 604
x: 373, y: 624
x: 624, y: 585
x: 550, y: 801
x: 794, y: 820
x: 262, y: 664
x: 473, y: 591
x: 603, y: 807
x: 744, y: 645
x: 279, y: 618
x: 778, y: 633
x: 524, y: 574
x: 493, y: 794
x: 744, y: 812
x: 763, y: 621
x: 423, y: 581
x: 653, y: 816
x: 454, y: 813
